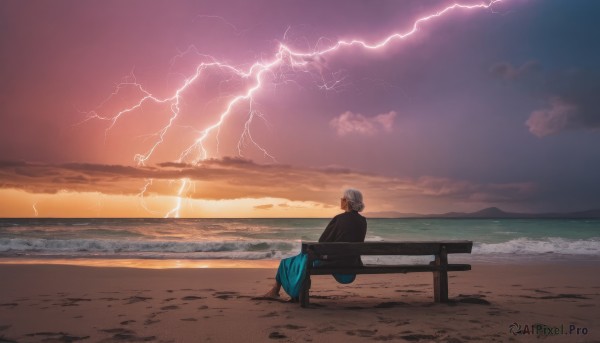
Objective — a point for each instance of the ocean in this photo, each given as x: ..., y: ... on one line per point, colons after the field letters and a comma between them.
x: 273, y: 239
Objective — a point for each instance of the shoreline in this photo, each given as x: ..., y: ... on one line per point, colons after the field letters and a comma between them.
x: 183, y: 263
x: 143, y: 263
x: 60, y: 303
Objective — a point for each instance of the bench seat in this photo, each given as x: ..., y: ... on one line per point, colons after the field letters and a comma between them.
x: 332, y: 251
x: 388, y: 269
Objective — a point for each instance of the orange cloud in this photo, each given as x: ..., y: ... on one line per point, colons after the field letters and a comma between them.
x: 235, y: 178
x: 264, y: 207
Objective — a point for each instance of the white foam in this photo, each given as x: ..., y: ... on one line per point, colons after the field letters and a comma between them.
x: 15, y: 245
x: 373, y: 238
x: 550, y: 245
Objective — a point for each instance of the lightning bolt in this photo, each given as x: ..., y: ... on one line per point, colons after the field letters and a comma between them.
x: 141, y: 195
x: 254, y: 75
x: 35, y: 210
x: 185, y: 183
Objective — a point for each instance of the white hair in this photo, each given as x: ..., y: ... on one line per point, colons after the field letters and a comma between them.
x: 355, y: 199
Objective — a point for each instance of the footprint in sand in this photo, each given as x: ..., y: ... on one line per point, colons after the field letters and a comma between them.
x: 189, y: 319
x: 136, y: 299
x: 225, y: 295
x: 538, y: 290
x: 192, y: 297
x: 470, y: 299
x: 452, y: 340
x: 384, y: 320
x: 564, y: 296
x: 326, y: 329
x: 276, y: 335
x: 110, y: 299
x: 290, y: 327
x: 73, y: 301
x: 390, y: 304
x: 417, y: 337
x: 386, y: 338
x: 121, y: 334
x: 151, y: 321
x: 355, y: 308
x: 57, y: 336
x: 170, y: 307
x: 270, y: 299
x: 361, y: 333
x: 557, y: 296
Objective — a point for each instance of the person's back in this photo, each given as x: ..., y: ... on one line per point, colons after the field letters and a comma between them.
x: 349, y: 226
x: 345, y: 227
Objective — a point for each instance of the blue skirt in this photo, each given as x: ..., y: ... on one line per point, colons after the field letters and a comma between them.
x: 292, y: 271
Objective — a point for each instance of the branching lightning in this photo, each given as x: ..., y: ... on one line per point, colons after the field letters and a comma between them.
x: 255, y: 75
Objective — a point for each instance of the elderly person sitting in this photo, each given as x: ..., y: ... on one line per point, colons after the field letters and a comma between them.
x: 348, y: 226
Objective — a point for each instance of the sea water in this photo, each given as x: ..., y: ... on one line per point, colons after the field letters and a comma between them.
x: 271, y: 239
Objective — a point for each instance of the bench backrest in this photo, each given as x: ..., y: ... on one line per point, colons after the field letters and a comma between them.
x: 387, y: 248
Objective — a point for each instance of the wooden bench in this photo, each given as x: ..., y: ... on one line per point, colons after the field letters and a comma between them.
x: 439, y: 266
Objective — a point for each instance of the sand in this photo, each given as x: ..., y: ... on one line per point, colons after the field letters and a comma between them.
x: 57, y: 303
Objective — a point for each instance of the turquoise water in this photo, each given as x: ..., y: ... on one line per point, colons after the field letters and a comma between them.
x: 256, y: 239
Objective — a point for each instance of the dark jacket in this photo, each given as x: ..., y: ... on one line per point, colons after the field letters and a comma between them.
x: 346, y: 227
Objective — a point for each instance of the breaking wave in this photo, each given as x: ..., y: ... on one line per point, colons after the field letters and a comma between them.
x: 149, y: 249
x: 550, y: 245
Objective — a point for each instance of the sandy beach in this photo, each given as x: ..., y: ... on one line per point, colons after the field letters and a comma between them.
x: 58, y: 303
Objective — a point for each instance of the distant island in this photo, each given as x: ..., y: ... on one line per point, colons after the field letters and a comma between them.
x: 489, y: 213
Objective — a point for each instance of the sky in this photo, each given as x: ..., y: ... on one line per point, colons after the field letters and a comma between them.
x: 249, y: 109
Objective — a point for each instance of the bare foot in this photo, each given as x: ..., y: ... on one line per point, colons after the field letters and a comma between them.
x: 271, y: 294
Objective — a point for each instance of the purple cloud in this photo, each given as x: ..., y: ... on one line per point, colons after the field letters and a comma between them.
x: 349, y: 122
x: 560, y: 115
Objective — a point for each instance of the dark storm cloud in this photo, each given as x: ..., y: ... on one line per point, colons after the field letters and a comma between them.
x: 570, y: 97
x: 234, y: 178
x: 572, y: 104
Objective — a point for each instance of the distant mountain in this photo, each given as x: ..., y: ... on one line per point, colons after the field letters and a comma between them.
x: 489, y: 213
x: 392, y: 214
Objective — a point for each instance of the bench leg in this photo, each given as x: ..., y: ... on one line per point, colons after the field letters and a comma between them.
x: 440, y: 278
x: 305, y: 292
x: 440, y: 287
